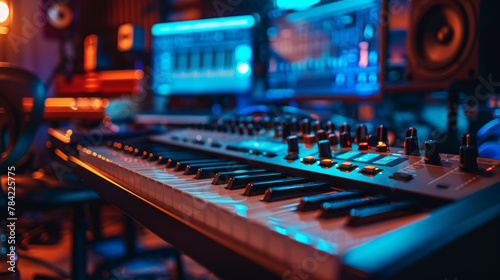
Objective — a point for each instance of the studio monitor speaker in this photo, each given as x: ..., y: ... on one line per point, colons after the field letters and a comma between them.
x: 452, y: 40
x: 61, y: 16
x: 130, y: 38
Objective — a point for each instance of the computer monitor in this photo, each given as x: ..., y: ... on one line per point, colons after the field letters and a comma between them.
x: 330, y: 50
x: 207, y: 56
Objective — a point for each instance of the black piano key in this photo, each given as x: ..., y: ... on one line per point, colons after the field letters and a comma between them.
x: 376, y: 213
x: 289, y: 192
x: 343, y: 207
x: 223, y: 177
x: 191, y: 169
x: 315, y: 202
x: 181, y: 165
x: 171, y: 159
x: 209, y: 172
x: 241, y: 181
x: 261, y: 187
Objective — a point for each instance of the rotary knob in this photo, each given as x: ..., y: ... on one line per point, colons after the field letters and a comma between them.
x: 250, y: 129
x: 294, y: 126
x: 333, y: 139
x: 305, y: 127
x: 344, y: 128
x: 309, y: 139
x: 361, y: 132
x: 315, y: 126
x: 240, y: 129
x: 411, y: 132
x: 286, y: 130
x: 381, y: 133
x: 321, y: 135
x: 345, y: 139
x: 330, y: 127
x: 325, y: 152
x: 468, y: 153
x: 411, y: 146
x: 293, y: 147
x: 432, y: 152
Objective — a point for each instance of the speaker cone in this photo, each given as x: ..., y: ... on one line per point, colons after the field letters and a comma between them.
x: 441, y: 35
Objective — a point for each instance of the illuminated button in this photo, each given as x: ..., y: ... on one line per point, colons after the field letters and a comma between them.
x: 363, y: 146
x: 309, y: 160
x: 327, y: 163
x: 347, y: 166
x: 382, y: 148
x: 370, y: 170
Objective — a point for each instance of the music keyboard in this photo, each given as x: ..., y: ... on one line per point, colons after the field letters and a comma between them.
x: 288, y: 238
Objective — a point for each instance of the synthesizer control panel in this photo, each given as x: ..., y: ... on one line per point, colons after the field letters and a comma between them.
x: 440, y: 176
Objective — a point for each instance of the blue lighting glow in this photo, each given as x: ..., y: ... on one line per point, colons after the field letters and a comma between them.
x: 295, y: 4
x: 243, y: 53
x: 301, y: 238
x: 332, y: 9
x: 203, y: 25
x: 280, y: 230
x: 244, y: 68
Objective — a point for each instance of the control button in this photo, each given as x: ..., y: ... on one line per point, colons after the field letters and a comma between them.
x: 382, y: 147
x: 216, y: 145
x: 402, y: 176
x: 347, y: 166
x: 442, y: 186
x: 370, y: 170
x: 199, y: 142
x: 327, y: 162
x: 363, y: 146
x: 270, y: 154
x: 309, y: 160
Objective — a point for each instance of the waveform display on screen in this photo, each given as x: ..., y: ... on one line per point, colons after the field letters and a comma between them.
x: 330, y: 49
x: 208, y: 56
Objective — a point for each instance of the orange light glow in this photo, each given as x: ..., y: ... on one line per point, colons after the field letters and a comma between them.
x: 363, y: 54
x: 4, y: 11
x: 90, y: 53
x: 125, y: 37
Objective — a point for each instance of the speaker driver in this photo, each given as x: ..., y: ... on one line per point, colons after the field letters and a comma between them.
x: 441, y: 36
x: 441, y: 39
x: 60, y: 16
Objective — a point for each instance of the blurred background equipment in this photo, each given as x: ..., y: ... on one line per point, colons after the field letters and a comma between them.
x: 266, y: 132
x: 20, y: 90
x: 205, y: 56
x: 5, y: 16
x: 329, y: 51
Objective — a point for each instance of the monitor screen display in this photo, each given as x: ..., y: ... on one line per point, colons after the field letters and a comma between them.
x: 329, y: 50
x: 207, y: 56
